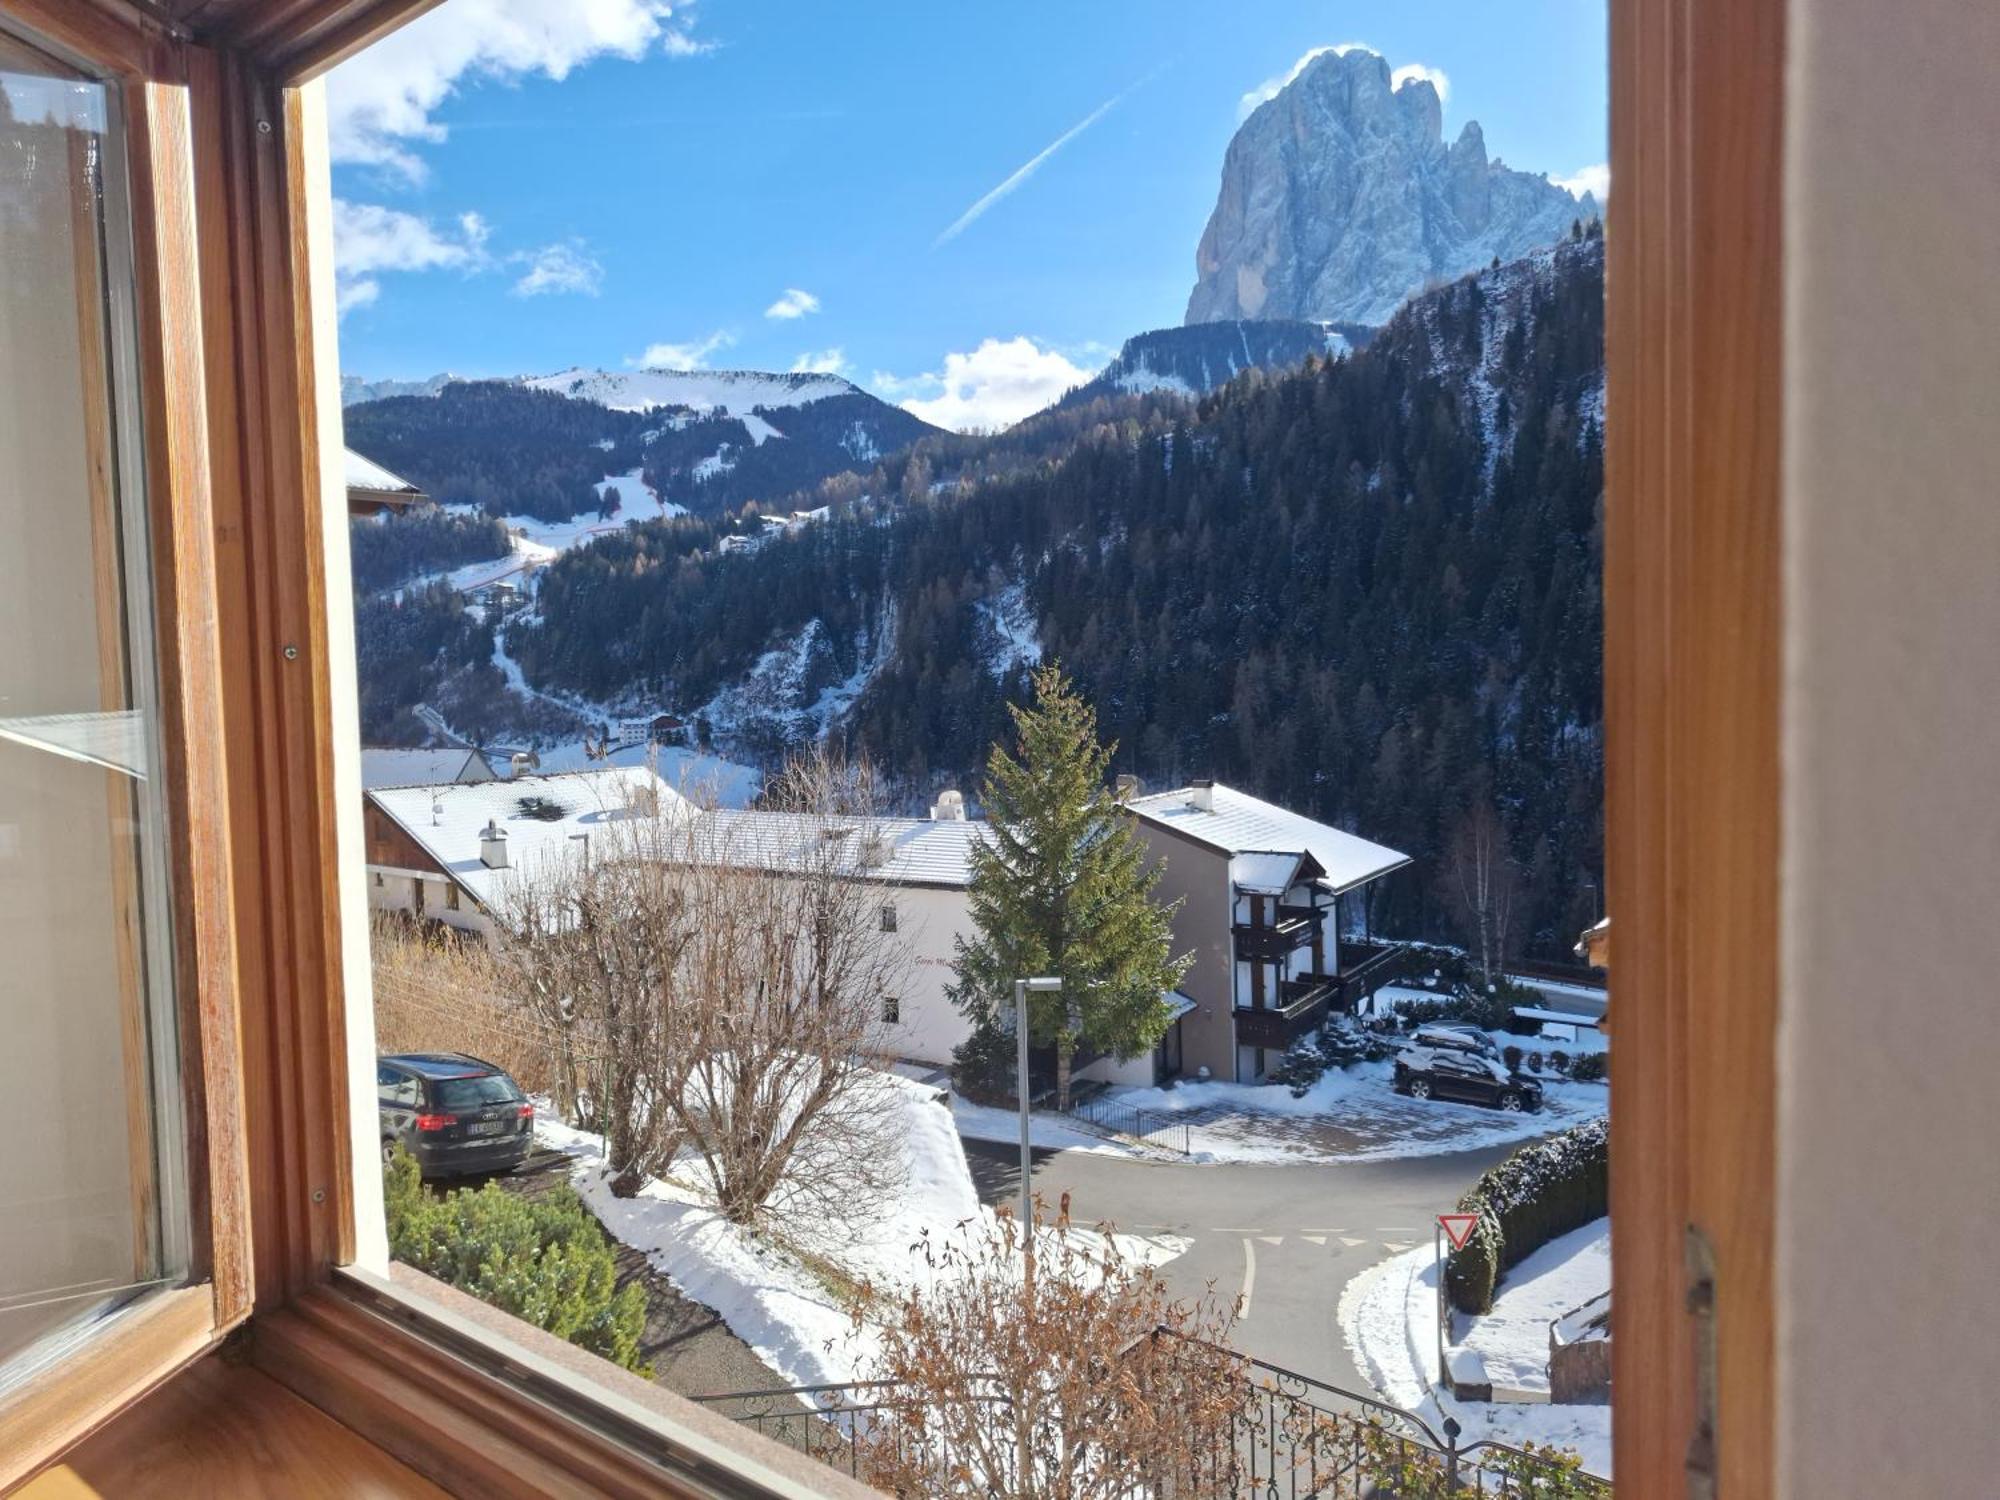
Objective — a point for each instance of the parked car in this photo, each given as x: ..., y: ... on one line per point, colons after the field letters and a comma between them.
x: 454, y: 1113
x: 1450, y: 1062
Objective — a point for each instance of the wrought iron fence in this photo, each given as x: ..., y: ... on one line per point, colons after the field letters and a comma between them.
x: 1170, y: 1131
x: 1291, y: 1438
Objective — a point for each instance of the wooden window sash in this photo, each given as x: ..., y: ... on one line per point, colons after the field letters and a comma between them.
x: 1692, y: 656
x: 162, y: 1329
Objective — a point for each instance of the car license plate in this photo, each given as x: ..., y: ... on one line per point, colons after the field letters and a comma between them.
x: 486, y: 1127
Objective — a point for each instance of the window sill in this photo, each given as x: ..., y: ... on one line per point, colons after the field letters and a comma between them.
x: 142, y: 1346
x: 485, y: 1405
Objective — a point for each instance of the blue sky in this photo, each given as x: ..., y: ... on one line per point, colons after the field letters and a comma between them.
x: 524, y: 185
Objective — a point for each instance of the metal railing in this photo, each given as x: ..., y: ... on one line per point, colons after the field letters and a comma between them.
x: 1292, y: 1438
x: 1148, y: 1125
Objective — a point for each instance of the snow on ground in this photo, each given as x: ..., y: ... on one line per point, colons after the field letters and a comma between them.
x: 1388, y: 1316
x: 1015, y: 643
x: 1512, y: 1341
x: 766, y: 1291
x: 1350, y: 1114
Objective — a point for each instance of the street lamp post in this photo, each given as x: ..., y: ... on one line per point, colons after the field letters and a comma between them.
x: 1043, y: 985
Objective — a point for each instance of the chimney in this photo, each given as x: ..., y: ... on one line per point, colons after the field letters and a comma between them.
x: 1126, y: 788
x: 1201, y: 795
x: 645, y: 800
x: 521, y: 762
x: 874, y: 849
x: 493, y: 846
x: 949, y: 807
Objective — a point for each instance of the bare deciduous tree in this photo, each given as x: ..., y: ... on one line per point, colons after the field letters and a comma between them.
x: 1481, y: 878
x: 713, y: 985
x: 1082, y: 1380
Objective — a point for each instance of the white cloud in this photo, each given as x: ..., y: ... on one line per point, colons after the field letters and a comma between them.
x: 368, y: 239
x: 825, y: 362
x: 1418, y: 73
x: 349, y: 295
x: 382, y: 104
x: 1595, y: 180
x: 692, y: 356
x: 1028, y: 168
x: 994, y: 386
x: 1272, y: 86
x: 793, y: 304
x: 563, y: 267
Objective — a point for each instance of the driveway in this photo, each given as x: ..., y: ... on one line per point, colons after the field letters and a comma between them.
x: 1289, y: 1238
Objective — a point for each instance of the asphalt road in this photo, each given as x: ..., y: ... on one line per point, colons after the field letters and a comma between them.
x: 1288, y: 1237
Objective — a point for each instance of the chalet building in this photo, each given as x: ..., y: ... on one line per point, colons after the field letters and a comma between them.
x: 445, y: 854
x: 1266, y: 898
x: 372, y: 489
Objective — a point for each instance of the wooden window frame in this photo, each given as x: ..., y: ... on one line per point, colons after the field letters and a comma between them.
x: 161, y: 1331
x: 231, y: 397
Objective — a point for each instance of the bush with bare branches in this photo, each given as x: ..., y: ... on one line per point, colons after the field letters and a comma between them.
x: 1071, y: 1375
x: 712, y: 984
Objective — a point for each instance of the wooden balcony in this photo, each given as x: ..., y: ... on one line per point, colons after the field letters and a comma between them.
x: 1302, y: 1007
x: 1297, y: 927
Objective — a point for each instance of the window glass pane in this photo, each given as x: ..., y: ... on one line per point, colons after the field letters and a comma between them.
x: 470, y: 1093
x: 91, y: 1197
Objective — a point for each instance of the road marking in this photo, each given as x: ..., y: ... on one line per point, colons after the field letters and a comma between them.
x: 1249, y: 1278
x: 1394, y: 1245
x: 1317, y: 1239
x: 1351, y: 1243
x: 1272, y: 1239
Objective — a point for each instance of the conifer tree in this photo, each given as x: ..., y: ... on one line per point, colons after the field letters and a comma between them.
x: 1062, y: 888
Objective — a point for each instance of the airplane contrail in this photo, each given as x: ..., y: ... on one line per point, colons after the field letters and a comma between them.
x: 1028, y: 169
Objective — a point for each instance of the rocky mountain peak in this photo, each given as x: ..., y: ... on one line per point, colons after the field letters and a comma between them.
x: 1340, y: 197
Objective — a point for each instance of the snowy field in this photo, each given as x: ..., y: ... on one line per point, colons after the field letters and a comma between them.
x: 768, y: 1292
x: 1388, y: 1316
x: 1351, y: 1114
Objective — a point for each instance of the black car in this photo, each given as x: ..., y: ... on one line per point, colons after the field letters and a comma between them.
x: 1466, y: 1075
x: 455, y: 1114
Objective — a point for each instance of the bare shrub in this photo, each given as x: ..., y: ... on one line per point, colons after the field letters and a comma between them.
x: 437, y: 992
x: 713, y: 986
x: 1076, y: 1377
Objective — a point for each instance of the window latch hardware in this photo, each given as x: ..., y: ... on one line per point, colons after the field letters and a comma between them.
x: 1701, y: 1460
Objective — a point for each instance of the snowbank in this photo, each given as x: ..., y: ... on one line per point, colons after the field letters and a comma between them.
x: 788, y: 1301
x: 1388, y: 1316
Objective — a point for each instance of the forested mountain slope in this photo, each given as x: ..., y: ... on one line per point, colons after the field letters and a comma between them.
x: 1368, y: 590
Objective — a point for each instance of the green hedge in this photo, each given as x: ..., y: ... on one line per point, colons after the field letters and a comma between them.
x: 1541, y: 1191
x: 545, y: 1260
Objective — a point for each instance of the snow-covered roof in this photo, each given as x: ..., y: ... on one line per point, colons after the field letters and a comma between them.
x: 908, y: 851
x: 1238, y: 824
x: 366, y: 474
x: 384, y: 768
x: 1262, y: 874
x: 540, y: 815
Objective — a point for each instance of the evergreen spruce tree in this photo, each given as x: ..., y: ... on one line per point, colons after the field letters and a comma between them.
x: 1061, y: 888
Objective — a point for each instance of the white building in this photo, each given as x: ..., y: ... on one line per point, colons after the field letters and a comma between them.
x: 445, y: 853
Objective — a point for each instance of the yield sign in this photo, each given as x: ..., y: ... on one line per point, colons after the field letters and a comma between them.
x: 1458, y: 1228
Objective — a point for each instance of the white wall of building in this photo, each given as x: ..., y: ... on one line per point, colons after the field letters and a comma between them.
x: 928, y: 922
x: 1889, y: 1030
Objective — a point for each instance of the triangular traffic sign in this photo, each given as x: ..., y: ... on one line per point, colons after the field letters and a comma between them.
x: 1458, y: 1228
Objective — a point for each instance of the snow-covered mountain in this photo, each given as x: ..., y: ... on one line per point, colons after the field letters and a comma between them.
x: 727, y: 392
x: 708, y: 440
x: 1340, y: 198
x: 1201, y: 357
x: 354, y: 389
